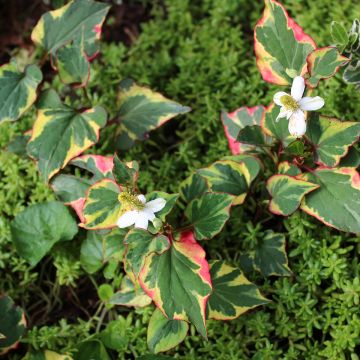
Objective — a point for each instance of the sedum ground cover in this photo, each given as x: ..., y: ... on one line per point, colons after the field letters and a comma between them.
x: 201, y: 54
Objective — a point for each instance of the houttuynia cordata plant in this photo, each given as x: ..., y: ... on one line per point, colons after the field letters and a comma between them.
x: 148, y: 247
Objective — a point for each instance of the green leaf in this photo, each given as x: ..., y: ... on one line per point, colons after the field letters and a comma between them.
x: 91, y: 350
x: 130, y: 295
x: 279, y: 130
x: 233, y: 294
x: 170, y: 199
x: 237, y: 125
x: 339, y: 35
x: 192, y: 187
x: 12, y: 324
x: 281, y: 46
x: 17, y: 90
x: 100, y: 166
x: 296, y: 148
x: 337, y: 202
x: 352, y: 73
x: 102, y: 207
x: 208, y: 214
x: 79, y: 21
x: 351, y: 159
x: 99, y: 248
x: 46, y: 355
x: 331, y: 138
x: 140, y: 244
x: 287, y: 193
x: 35, y: 230
x: 287, y: 168
x: 61, y: 133
x: 178, y: 281
x: 105, y: 292
x: 163, y: 334
x: 230, y: 177
x: 324, y: 63
x: 18, y: 145
x: 252, y: 163
x: 115, y: 336
x: 142, y: 110
x: 154, y: 357
x: 124, y: 173
x: 73, y: 65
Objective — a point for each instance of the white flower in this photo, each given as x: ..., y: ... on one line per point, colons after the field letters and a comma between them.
x: 294, y: 105
x: 139, y: 212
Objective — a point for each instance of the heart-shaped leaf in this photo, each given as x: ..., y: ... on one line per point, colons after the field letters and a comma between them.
x: 178, y: 281
x: 163, y: 334
x: 192, y: 187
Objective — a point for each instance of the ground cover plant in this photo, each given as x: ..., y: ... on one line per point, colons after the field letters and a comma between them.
x: 313, y: 313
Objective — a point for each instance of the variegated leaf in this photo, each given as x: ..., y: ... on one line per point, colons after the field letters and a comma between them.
x: 102, y: 207
x: 140, y: 244
x: 61, y: 133
x: 125, y: 173
x: 100, y: 166
x: 163, y: 334
x: 12, y: 324
x: 324, y: 63
x: 178, y: 281
x: 101, y: 247
x: 337, y: 202
x: 17, y: 90
x: 192, y: 187
x: 277, y: 129
x: 46, y: 355
x: 130, y: 295
x: 287, y: 168
x: 252, y: 163
x: 142, y: 110
x: 233, y: 294
x: 287, y: 193
x: 331, y: 138
x: 281, y: 46
x: 208, y: 214
x: 239, y: 120
x: 78, y: 21
x: 351, y: 159
x: 227, y: 176
x: 352, y: 73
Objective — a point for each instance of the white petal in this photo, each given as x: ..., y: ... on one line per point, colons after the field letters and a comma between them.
x: 311, y: 103
x: 127, y: 219
x: 278, y: 96
x: 149, y: 214
x: 155, y: 205
x: 142, y: 198
x: 142, y: 221
x: 283, y: 113
x: 297, y: 124
x: 298, y: 87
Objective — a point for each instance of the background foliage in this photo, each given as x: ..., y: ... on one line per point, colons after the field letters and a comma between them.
x: 201, y: 54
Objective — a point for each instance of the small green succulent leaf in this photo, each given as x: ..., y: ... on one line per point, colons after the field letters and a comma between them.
x: 230, y: 177
x: 233, y: 294
x: 352, y: 73
x: 154, y: 357
x: 91, y: 349
x: 101, y: 247
x: 163, y: 334
x: 178, y: 281
x: 339, y: 35
x: 334, y: 205
x: 79, y: 21
x: 324, y: 63
x: 242, y: 129
x: 192, y: 187
x: 331, y: 138
x: 281, y: 46
x: 73, y: 65
x: 17, y: 90
x: 140, y: 244
x: 277, y: 129
x: 61, y: 133
x: 142, y: 110
x: 12, y: 324
x: 35, y: 230
x: 130, y: 295
x: 287, y: 193
x: 125, y: 173
x: 287, y: 168
x: 208, y: 214
x: 102, y: 207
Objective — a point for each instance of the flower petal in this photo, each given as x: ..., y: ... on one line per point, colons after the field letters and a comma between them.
x: 311, y: 103
x: 278, y: 96
x: 155, y: 205
x: 127, y: 219
x: 142, y: 221
x: 297, y: 124
x: 298, y: 87
x: 283, y: 113
x: 142, y: 198
x: 150, y: 215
